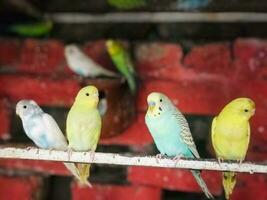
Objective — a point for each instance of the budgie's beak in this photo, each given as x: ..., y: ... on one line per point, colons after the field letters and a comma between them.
x: 253, y: 111
x: 151, y: 105
x: 18, y: 111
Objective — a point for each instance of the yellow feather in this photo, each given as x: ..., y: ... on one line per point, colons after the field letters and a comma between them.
x: 84, y: 126
x: 230, y: 134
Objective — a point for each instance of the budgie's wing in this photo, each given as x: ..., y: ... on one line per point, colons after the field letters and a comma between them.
x: 185, y: 133
x: 213, y: 125
x: 54, y: 132
x: 129, y: 63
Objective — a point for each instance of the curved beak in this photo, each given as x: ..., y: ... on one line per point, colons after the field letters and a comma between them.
x: 18, y: 111
x: 151, y: 105
x: 253, y: 111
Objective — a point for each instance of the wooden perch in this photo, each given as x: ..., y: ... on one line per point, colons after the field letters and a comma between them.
x: 158, y: 17
x: 119, y: 159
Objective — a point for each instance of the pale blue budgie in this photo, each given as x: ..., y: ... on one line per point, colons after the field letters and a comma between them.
x: 171, y: 132
x: 42, y: 129
x: 83, y: 65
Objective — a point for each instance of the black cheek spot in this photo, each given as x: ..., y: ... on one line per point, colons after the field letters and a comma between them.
x: 158, y: 113
x: 160, y: 108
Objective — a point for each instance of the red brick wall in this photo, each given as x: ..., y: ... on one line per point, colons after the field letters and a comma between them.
x: 200, y: 82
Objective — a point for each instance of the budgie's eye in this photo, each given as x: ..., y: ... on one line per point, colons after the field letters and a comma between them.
x: 87, y: 94
x: 160, y: 100
x: 24, y: 107
x: 246, y: 110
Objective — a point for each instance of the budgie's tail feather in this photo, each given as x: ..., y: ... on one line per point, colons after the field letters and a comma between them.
x: 131, y: 82
x: 108, y: 73
x: 229, y: 180
x: 84, y: 171
x: 201, y: 183
x: 73, y: 169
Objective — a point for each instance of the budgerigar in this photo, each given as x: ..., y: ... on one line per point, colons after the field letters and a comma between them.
x: 42, y: 129
x: 230, y: 136
x: 192, y: 4
x: 127, y: 4
x: 83, y: 65
x: 171, y: 132
x: 121, y: 59
x: 84, y: 126
x: 35, y: 29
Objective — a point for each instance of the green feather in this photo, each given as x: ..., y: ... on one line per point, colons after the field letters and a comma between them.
x: 127, y: 4
x: 33, y: 29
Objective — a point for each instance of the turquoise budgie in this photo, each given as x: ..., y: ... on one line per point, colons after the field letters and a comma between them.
x: 83, y: 65
x: 171, y: 132
x: 43, y: 130
x: 84, y: 126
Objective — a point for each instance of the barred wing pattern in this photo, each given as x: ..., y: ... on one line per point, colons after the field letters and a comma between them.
x: 185, y: 133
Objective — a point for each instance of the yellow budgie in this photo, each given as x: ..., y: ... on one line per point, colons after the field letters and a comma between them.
x: 84, y: 126
x: 230, y: 136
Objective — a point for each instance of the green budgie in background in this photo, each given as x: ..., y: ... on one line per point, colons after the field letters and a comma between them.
x: 35, y: 29
x: 171, y: 132
x: 122, y: 61
x: 84, y: 126
x: 127, y: 4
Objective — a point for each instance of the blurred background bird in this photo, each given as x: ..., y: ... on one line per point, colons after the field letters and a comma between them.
x: 84, y: 126
x: 192, y: 4
x: 83, y: 65
x: 122, y: 60
x: 230, y: 136
x: 127, y: 4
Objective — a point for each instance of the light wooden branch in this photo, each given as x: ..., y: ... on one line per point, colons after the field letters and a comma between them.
x: 158, y: 17
x: 119, y: 159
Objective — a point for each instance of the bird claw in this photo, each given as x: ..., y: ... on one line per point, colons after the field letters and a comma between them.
x: 159, y: 156
x: 92, y: 155
x: 50, y: 151
x: 176, y: 159
x: 220, y: 160
x: 69, y: 151
x: 29, y: 148
x: 239, y: 162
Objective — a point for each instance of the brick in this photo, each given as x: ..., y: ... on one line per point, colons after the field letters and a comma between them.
x: 115, y: 192
x: 159, y: 60
x: 195, y: 97
x: 46, y: 91
x: 98, y: 52
x: 5, y: 117
x: 23, y: 188
x: 250, y: 58
x: 173, y: 179
x: 135, y: 135
x: 210, y: 58
x: 9, y: 52
x: 205, y: 96
x: 250, y: 187
x: 41, y: 56
x: 46, y: 167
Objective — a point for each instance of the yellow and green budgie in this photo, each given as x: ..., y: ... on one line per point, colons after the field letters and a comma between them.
x: 84, y: 126
x: 127, y: 4
x: 121, y: 59
x: 230, y: 136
